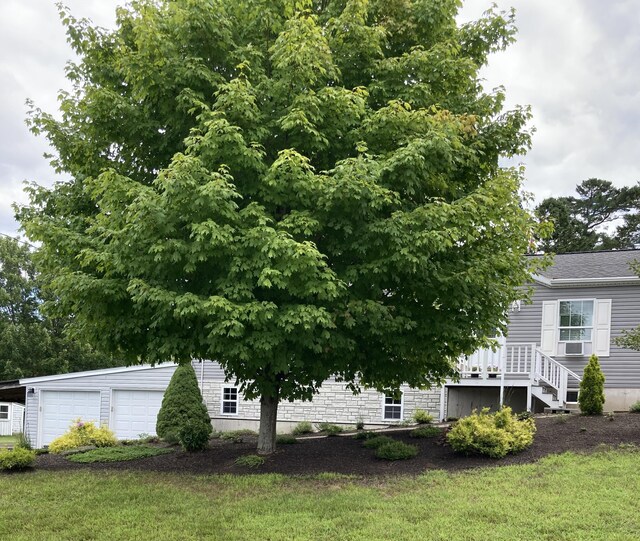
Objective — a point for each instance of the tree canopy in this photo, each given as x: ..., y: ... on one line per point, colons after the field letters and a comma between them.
x: 32, y: 344
x: 294, y: 188
x: 580, y: 222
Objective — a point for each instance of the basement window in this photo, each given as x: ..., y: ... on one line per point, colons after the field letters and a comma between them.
x: 230, y: 400
x: 572, y: 396
x: 393, y: 407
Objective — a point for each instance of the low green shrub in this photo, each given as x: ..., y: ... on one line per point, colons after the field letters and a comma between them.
x: 303, y: 427
x: 16, y: 459
x: 142, y: 439
x: 376, y: 442
x: 118, y: 454
x: 250, y: 461
x: 422, y: 417
x: 330, y: 429
x: 365, y: 435
x: 83, y: 434
x: 425, y: 432
x: 238, y: 436
x: 360, y: 424
x: 494, y: 435
x: 396, y: 450
x: 194, y: 435
x: 635, y: 408
x: 286, y: 439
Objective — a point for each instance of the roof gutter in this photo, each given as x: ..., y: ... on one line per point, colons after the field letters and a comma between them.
x: 582, y: 282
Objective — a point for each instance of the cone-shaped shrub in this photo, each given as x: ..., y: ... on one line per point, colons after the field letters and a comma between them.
x: 591, y: 397
x: 182, y: 404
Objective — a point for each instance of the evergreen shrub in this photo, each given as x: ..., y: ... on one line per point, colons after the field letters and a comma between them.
x: 194, y: 435
x: 591, y: 396
x: 425, y: 432
x: 16, y: 459
x: 376, y: 442
x: 494, y: 435
x: 182, y: 406
x: 396, y: 450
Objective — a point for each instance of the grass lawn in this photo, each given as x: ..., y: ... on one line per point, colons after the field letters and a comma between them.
x: 561, y: 498
x: 5, y: 440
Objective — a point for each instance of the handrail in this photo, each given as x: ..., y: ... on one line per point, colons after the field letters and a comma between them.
x: 554, y: 374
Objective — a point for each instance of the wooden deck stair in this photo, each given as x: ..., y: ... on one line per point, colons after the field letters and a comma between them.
x: 514, y: 364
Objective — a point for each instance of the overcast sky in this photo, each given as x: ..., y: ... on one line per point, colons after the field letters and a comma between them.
x: 576, y: 63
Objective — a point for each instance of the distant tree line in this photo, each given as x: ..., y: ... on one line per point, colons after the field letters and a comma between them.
x: 601, y: 217
x: 32, y: 343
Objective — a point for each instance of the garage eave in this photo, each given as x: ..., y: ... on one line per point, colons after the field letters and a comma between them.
x: 87, y: 373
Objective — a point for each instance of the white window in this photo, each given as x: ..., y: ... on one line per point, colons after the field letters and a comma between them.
x: 393, y: 407
x: 576, y: 327
x: 4, y: 412
x: 229, y: 400
x: 576, y: 321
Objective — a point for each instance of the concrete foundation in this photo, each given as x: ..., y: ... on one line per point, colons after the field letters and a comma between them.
x: 620, y: 399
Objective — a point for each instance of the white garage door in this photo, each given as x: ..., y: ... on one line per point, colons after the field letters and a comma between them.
x: 135, y: 413
x: 60, y: 408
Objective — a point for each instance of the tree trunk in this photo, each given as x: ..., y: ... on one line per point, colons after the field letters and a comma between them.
x: 268, y: 416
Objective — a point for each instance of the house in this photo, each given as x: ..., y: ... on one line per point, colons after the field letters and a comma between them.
x: 578, y: 307
x: 11, y: 418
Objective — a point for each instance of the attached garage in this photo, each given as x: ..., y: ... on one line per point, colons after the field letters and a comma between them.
x: 59, y: 408
x: 134, y: 412
x: 126, y: 399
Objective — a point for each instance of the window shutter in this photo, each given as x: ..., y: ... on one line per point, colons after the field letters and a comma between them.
x: 602, y: 327
x: 549, y: 339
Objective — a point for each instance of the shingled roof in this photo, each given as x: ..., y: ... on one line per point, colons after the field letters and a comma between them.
x: 585, y: 265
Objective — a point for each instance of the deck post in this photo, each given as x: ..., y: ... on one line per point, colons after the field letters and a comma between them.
x: 501, y: 390
x: 532, y: 376
x: 442, y: 408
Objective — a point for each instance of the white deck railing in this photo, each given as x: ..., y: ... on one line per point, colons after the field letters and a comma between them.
x: 518, y: 361
x: 508, y: 359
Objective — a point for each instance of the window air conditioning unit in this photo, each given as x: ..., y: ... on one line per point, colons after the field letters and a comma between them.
x: 573, y: 348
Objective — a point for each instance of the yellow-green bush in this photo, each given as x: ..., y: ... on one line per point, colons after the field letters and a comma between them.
x: 494, y: 435
x: 16, y: 459
x: 81, y: 434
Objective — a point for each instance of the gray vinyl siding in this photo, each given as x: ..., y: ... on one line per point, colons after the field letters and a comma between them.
x: 146, y: 379
x: 622, y: 367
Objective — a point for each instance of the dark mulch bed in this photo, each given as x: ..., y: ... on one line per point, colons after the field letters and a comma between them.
x: 345, y: 455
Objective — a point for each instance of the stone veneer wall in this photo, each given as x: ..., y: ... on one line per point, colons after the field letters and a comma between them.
x: 333, y: 404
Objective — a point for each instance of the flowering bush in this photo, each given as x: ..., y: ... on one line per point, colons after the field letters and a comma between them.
x: 81, y: 434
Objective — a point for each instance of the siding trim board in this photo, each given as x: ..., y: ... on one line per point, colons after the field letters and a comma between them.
x: 90, y: 373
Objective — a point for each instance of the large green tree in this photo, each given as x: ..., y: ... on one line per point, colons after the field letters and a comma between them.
x: 32, y: 344
x: 580, y: 222
x: 294, y: 188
